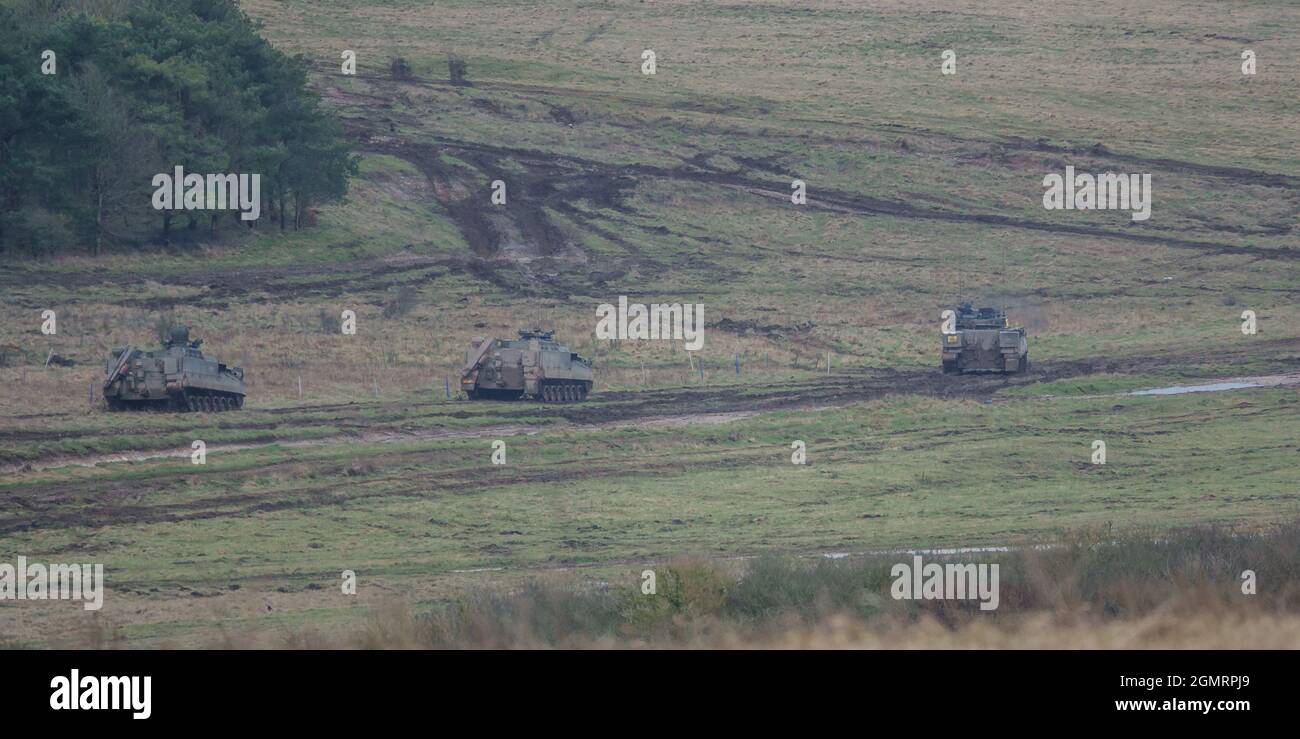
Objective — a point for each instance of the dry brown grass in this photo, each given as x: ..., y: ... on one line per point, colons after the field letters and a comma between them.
x: 1182, y: 592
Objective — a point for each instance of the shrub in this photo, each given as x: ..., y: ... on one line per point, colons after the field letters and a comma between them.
x: 400, y: 69
x: 456, y: 71
x: 330, y: 323
x: 401, y: 302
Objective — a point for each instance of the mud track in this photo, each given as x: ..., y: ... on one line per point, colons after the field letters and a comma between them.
x: 522, y: 249
x: 584, y: 177
x: 390, y: 422
x: 91, y: 501
x: 840, y: 201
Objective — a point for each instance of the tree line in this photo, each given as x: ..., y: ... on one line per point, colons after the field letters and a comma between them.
x: 99, y: 96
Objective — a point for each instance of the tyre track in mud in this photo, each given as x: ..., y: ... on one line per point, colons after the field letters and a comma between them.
x: 45, y: 505
x: 91, y: 503
x: 554, y: 167
x: 558, y: 179
x: 659, y: 104
x: 377, y: 421
x: 555, y: 182
x: 603, y: 180
x: 832, y: 200
x: 115, y: 502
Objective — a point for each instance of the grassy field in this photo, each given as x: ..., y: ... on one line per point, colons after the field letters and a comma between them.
x: 273, y: 527
x: 924, y: 189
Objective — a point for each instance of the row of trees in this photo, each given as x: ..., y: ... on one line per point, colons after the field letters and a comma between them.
x: 138, y: 88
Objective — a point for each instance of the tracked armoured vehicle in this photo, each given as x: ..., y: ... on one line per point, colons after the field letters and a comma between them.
x: 176, y: 378
x: 984, y: 341
x: 532, y: 366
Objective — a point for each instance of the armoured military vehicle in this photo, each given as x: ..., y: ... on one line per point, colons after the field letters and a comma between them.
x: 983, y: 340
x: 532, y: 366
x: 176, y: 378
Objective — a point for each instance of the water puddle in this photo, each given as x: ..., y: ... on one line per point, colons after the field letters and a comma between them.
x: 1213, y: 386
x: 1180, y: 389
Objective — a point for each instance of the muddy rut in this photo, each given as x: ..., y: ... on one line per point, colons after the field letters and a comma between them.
x: 390, y: 421
x: 525, y: 250
x: 432, y: 470
x: 552, y: 180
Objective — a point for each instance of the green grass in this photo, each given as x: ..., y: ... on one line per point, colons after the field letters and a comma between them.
x: 899, y: 162
x: 902, y: 472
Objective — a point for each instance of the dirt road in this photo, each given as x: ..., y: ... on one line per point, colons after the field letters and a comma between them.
x: 665, y: 407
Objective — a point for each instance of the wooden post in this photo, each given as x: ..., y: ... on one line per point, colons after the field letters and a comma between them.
x: 299, y: 387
